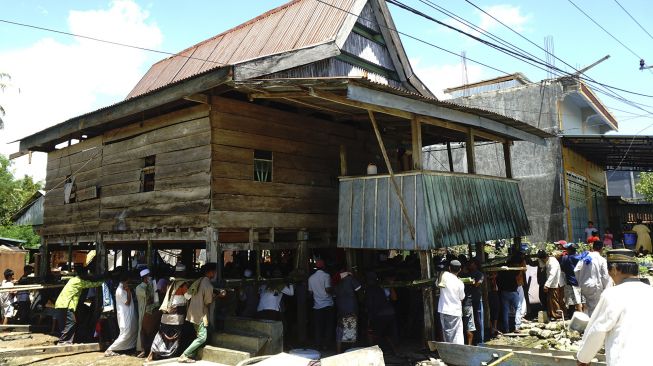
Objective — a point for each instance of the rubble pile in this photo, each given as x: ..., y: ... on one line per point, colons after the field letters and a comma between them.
x: 554, y: 335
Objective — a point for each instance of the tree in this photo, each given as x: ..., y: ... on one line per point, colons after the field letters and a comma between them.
x: 645, y: 186
x: 14, y: 193
x: 3, y: 86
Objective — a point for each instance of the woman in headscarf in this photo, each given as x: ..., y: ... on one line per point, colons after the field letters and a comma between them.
x: 173, y: 307
x: 127, y: 321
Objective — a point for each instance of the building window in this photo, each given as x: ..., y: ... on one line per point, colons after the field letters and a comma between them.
x: 262, y: 166
x: 147, y: 174
x: 70, y: 190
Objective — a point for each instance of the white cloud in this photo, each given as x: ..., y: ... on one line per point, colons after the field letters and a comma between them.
x: 62, y: 79
x: 439, y: 77
x: 507, y: 14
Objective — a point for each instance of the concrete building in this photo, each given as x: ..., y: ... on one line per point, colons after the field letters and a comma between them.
x: 561, y: 188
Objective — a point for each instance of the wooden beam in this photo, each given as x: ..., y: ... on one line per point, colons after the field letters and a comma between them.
x: 416, y: 134
x: 507, y: 157
x: 198, y: 98
x: 408, y: 105
x: 392, y: 175
x: 460, y: 128
x: 284, y: 61
x: 343, y: 160
x: 315, y: 106
x: 278, y: 95
x: 355, y: 104
x: 470, y: 153
x: 450, y: 155
x: 48, y: 350
x: 130, y: 108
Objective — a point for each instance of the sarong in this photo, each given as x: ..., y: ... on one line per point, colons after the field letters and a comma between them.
x: 347, y: 329
x: 166, y: 341
x: 149, y: 329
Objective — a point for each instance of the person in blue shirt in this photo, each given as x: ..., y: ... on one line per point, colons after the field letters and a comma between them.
x: 568, y: 262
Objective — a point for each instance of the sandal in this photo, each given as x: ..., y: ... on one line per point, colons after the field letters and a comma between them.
x: 184, y: 359
x: 110, y: 354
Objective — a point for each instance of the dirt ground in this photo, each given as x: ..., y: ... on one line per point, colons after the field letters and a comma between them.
x: 20, y: 340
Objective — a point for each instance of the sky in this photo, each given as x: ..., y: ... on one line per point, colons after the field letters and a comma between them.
x: 56, y: 77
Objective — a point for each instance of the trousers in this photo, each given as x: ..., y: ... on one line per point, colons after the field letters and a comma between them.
x: 198, y: 342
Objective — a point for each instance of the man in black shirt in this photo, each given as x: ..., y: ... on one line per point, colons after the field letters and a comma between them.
x: 507, y: 281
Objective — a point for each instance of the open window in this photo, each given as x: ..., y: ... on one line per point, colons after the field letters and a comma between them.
x: 262, y: 166
x: 70, y: 190
x: 147, y: 174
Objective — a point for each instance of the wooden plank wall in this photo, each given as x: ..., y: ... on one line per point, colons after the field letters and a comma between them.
x: 304, y: 190
x: 181, y: 198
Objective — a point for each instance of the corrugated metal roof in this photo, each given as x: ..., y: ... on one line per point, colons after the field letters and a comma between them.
x: 295, y: 25
x: 445, y: 209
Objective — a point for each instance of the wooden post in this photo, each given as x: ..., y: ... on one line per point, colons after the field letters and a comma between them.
x: 450, y: 154
x: 507, y: 157
x: 302, y: 287
x: 343, y: 160
x: 427, y: 296
x: 100, y: 255
x: 392, y: 175
x: 44, y: 263
x: 148, y: 254
x: 469, y: 147
x: 416, y: 134
x: 70, y: 256
x: 486, y: 321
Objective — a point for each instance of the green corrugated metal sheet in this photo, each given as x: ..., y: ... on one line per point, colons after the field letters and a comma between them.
x: 446, y: 209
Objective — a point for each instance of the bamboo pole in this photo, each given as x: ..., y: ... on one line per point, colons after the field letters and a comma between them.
x: 392, y: 175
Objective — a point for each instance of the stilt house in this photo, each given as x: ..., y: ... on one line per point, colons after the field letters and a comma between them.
x: 259, y: 139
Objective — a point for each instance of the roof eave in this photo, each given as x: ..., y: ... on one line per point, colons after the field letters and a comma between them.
x: 46, y: 139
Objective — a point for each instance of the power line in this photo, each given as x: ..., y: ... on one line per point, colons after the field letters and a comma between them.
x: 551, y: 54
x: 605, y: 30
x: 633, y: 18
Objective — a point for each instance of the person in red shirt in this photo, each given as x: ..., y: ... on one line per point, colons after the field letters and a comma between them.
x: 594, y: 237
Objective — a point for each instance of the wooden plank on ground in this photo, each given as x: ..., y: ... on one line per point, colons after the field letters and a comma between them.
x: 48, y: 350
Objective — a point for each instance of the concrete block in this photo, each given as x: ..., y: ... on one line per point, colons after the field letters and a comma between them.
x: 370, y: 356
x: 246, y: 343
x: 222, y: 355
x: 273, y: 330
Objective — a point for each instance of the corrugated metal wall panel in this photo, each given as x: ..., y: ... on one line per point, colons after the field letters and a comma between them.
x: 445, y: 210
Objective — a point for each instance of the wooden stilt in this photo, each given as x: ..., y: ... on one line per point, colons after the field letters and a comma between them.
x: 301, y: 290
x: 427, y: 296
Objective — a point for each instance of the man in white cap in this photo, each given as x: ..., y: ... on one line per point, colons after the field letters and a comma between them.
x: 452, y: 293
x: 621, y: 320
x: 147, y: 305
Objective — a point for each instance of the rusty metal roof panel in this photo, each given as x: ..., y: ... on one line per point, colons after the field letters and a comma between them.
x: 295, y: 25
x: 147, y: 82
x: 257, y: 37
x: 175, y: 64
x: 445, y: 209
x: 200, y: 56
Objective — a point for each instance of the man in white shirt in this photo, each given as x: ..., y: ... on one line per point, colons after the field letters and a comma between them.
x: 621, y: 321
x: 319, y: 285
x: 589, y: 230
x: 452, y: 293
x: 554, y: 287
x: 592, y: 275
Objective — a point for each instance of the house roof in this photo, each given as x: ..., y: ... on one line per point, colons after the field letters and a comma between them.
x: 625, y: 152
x: 265, y: 44
x: 518, y: 77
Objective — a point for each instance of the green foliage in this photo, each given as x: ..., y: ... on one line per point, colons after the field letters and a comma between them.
x: 21, y: 232
x: 645, y: 186
x: 14, y: 192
